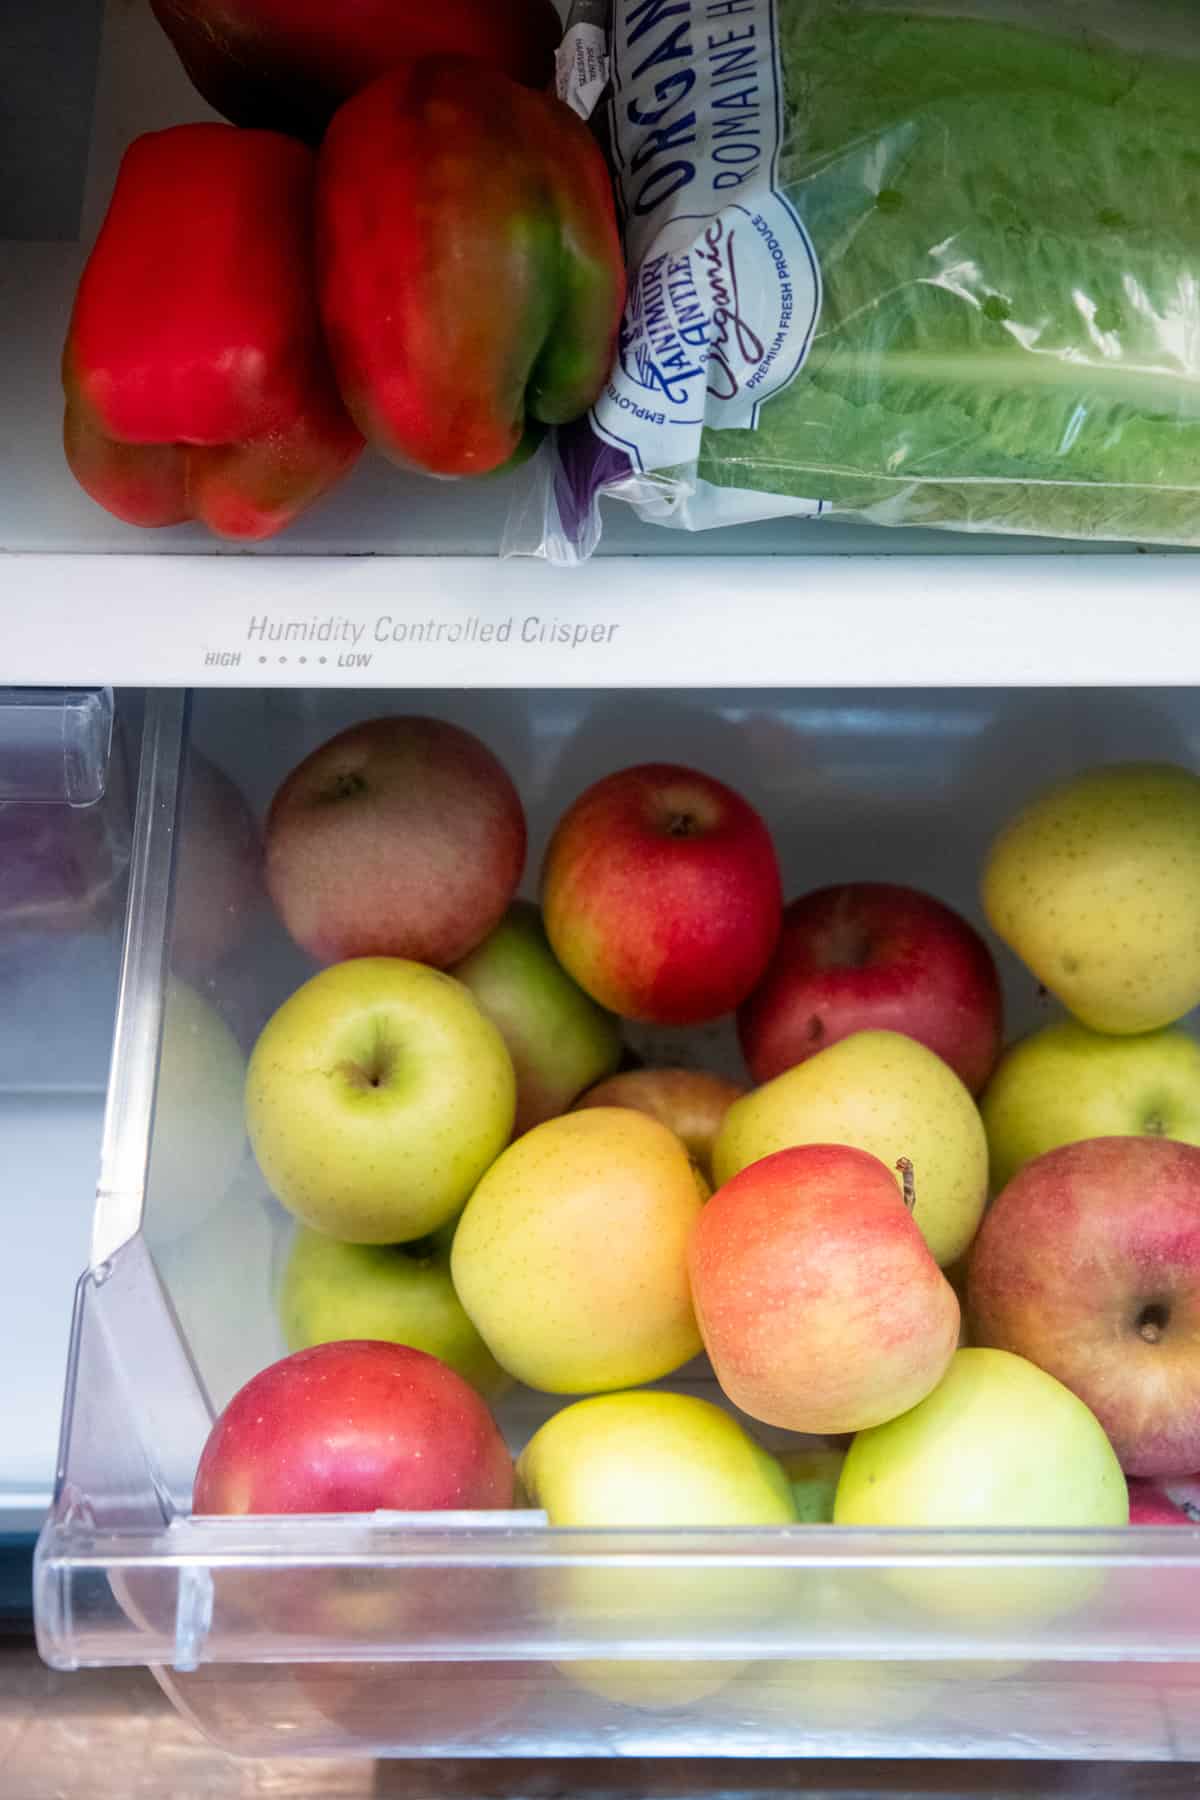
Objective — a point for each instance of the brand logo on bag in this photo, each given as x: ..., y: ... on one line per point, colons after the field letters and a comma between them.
x: 724, y: 289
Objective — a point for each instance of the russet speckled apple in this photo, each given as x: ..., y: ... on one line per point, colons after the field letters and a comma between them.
x: 690, y: 1102
x: 560, y: 1041
x: 376, y: 1097
x: 873, y: 956
x: 820, y: 1306
x: 571, y: 1254
x: 1065, y: 1083
x: 399, y: 837
x: 1088, y: 1263
x: 1096, y: 886
x: 661, y: 894
x: 886, y: 1094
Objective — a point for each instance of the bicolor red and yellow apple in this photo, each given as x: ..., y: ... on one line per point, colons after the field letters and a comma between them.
x: 661, y: 894
x: 820, y: 1306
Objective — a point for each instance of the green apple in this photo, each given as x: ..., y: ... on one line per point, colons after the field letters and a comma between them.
x: 813, y: 1472
x: 998, y: 1443
x: 1096, y: 886
x: 560, y: 1041
x: 1065, y: 1083
x: 888, y: 1095
x: 376, y: 1097
x: 653, y: 1459
x: 199, y: 1125
x: 400, y: 1293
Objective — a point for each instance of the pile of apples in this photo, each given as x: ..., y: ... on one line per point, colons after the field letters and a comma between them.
x: 484, y: 1194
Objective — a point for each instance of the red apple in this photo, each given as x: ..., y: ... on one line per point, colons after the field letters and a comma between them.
x: 689, y: 1102
x: 400, y: 837
x: 820, y: 1307
x: 1088, y: 1263
x: 355, y: 1426
x: 870, y: 956
x: 1149, y: 1505
x: 661, y: 894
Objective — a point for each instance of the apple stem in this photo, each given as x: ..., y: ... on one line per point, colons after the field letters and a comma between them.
x: 904, y: 1169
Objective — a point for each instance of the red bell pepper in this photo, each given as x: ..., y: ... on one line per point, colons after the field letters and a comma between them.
x: 197, y: 382
x: 469, y: 270
x: 289, y: 64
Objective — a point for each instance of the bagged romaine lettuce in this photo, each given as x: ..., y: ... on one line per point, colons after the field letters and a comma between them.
x: 931, y: 264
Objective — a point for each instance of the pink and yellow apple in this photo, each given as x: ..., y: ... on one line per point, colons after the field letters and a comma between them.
x: 354, y: 1427
x: 571, y: 1255
x: 690, y: 1102
x: 559, y: 1040
x: 1088, y: 1263
x: 661, y: 894
x: 399, y: 837
x: 820, y: 1306
x: 872, y: 956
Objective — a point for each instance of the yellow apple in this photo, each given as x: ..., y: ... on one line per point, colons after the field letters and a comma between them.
x: 653, y: 1459
x: 888, y: 1095
x: 571, y: 1255
x: 1096, y: 886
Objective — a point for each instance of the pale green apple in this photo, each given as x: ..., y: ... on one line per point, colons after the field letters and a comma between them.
x: 199, y: 1124
x: 376, y: 1097
x: 887, y: 1094
x: 1065, y: 1083
x: 397, y: 1293
x: 1096, y: 886
x: 998, y: 1443
x: 653, y: 1459
x: 560, y: 1041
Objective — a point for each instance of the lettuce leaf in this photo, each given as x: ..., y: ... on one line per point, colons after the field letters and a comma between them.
x: 1008, y: 227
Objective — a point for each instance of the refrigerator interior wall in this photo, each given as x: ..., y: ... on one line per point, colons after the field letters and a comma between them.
x: 491, y: 1633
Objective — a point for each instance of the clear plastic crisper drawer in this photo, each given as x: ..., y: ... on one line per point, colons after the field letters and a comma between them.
x: 494, y: 1634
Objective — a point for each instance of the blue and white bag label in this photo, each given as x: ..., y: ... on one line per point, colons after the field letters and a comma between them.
x: 724, y: 283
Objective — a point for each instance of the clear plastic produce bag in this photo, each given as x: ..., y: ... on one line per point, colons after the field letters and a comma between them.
x: 926, y: 263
